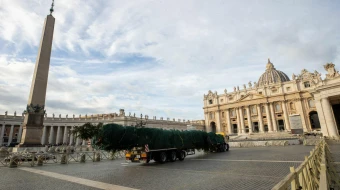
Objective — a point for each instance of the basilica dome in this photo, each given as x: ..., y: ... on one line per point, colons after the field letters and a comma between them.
x: 272, y: 75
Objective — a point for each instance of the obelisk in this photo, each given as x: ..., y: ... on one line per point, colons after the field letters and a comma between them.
x: 34, y: 118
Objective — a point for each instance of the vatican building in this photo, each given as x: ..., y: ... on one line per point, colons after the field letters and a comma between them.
x: 303, y: 103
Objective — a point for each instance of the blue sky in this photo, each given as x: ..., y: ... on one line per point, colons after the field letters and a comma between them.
x: 158, y: 57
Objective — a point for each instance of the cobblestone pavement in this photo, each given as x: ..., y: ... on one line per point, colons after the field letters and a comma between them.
x: 240, y: 168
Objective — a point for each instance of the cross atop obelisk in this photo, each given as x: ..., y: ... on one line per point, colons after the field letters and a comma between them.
x: 34, y: 118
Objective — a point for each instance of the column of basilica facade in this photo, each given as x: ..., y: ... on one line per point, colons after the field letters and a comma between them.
x: 276, y: 103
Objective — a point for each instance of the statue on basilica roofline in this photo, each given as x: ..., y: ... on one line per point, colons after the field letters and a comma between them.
x: 249, y: 84
x: 225, y: 91
x: 234, y: 89
x: 332, y: 72
x: 244, y: 87
x: 293, y: 77
x: 238, y: 88
x: 255, y: 84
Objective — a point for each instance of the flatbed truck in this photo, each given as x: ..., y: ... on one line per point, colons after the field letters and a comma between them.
x: 143, y: 154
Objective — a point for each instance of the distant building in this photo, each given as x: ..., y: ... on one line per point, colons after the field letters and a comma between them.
x: 277, y: 103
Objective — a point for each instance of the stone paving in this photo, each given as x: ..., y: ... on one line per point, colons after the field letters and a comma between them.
x: 240, y: 168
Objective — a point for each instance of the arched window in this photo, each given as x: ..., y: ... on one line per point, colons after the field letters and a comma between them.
x: 222, y: 114
x: 277, y: 107
x: 292, y: 106
x: 263, y: 109
x: 311, y: 103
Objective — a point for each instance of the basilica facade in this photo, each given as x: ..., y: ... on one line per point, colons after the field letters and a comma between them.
x: 303, y: 103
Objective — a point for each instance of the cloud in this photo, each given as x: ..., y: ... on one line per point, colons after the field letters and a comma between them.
x: 158, y: 57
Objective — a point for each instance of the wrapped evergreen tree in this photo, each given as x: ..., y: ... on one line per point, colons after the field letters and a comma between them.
x: 113, y: 137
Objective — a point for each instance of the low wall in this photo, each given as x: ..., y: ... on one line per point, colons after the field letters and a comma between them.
x: 265, y: 143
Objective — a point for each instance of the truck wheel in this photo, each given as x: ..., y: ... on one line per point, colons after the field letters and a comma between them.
x: 172, y: 156
x: 227, y: 147
x: 224, y: 148
x: 181, y: 155
x: 162, y: 157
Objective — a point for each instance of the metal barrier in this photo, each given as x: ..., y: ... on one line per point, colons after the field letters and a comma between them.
x: 62, y: 156
x: 316, y: 172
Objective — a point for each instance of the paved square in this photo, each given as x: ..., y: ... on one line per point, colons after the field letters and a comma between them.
x: 240, y: 168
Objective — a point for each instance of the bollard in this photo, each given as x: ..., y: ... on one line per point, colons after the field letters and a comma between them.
x: 33, y: 159
x: 13, y: 163
x: 40, y: 160
x: 63, y: 159
x: 112, y: 155
x: 82, y: 158
x: 97, y: 156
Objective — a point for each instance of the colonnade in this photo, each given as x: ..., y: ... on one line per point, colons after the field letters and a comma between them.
x: 11, y: 134
x: 51, y: 135
x: 60, y: 135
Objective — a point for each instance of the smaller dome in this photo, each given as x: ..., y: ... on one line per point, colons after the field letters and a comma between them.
x: 271, y: 75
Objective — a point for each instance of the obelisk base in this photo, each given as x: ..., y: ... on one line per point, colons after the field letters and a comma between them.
x: 31, y: 136
x: 32, y: 131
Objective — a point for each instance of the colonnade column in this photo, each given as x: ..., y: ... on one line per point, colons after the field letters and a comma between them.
x: 242, y: 120
x: 78, y: 141
x: 2, y: 134
x: 65, y: 136
x: 259, y: 114
x: 327, y: 109
x: 43, y: 139
x: 250, y: 123
x: 285, y: 114
x: 71, y: 136
x: 273, y: 117
x: 10, y: 137
x: 50, y: 140
x: 58, y: 135
x: 238, y: 120
x: 19, y: 134
x: 269, y: 122
x: 228, y: 122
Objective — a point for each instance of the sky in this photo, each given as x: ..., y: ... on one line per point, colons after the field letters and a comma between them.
x: 158, y: 57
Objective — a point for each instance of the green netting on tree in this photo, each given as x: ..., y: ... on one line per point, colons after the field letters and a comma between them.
x: 116, y: 137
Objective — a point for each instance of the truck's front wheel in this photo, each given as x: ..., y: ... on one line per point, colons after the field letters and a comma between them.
x: 181, y: 155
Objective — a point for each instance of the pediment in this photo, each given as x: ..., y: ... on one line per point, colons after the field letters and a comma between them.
x: 250, y: 96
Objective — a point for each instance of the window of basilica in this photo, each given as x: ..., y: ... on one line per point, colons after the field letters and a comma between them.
x: 210, y: 101
x: 211, y: 116
x: 263, y: 109
x: 306, y: 84
x: 277, y: 107
x: 222, y: 114
x: 232, y: 113
x: 311, y: 103
x: 253, y: 110
x: 292, y: 106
